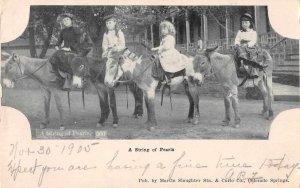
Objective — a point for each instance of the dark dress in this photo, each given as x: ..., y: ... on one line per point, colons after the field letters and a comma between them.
x: 71, y: 38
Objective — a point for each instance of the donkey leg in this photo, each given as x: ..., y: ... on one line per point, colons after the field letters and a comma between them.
x: 191, y: 108
x: 113, y: 107
x: 263, y: 90
x: 149, y: 99
x: 151, y: 122
x: 270, y: 98
x: 235, y: 106
x: 59, y: 109
x: 194, y: 93
x: 104, y: 104
x: 138, y: 99
x: 47, y: 98
x: 227, y: 101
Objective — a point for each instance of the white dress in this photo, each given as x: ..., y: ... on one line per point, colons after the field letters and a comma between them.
x: 249, y: 35
x: 110, y: 40
x: 171, y: 60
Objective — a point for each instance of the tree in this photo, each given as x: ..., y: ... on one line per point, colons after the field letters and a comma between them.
x: 41, y: 26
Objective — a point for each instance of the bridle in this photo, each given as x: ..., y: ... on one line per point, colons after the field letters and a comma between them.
x: 212, y: 72
x: 23, y: 76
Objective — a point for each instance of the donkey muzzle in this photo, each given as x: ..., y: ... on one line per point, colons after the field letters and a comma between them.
x: 77, y: 81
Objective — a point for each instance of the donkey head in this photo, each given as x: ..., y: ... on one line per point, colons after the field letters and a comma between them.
x: 80, y: 70
x: 201, y: 65
x: 11, y: 68
x: 116, y: 66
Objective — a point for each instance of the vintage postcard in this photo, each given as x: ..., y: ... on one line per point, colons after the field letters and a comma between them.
x: 150, y: 94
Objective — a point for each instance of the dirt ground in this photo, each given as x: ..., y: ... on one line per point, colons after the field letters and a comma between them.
x: 171, y: 123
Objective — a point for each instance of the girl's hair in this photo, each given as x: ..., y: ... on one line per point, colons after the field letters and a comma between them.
x: 168, y: 25
x: 246, y: 19
x: 117, y: 28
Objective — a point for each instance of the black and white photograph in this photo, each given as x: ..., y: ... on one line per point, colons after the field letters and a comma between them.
x: 150, y: 72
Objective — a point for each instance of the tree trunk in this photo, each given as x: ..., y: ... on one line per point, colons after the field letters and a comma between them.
x: 32, y: 42
x: 47, y: 41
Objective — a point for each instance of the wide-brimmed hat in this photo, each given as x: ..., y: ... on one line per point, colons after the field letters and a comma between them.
x: 66, y: 14
x: 247, y: 17
x: 110, y: 17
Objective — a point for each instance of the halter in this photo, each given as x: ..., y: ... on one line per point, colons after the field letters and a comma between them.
x: 21, y: 72
x: 213, y: 73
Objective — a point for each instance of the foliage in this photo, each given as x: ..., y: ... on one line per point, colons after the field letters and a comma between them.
x: 45, y: 21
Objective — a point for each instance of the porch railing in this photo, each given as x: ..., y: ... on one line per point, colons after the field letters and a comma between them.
x: 284, y: 53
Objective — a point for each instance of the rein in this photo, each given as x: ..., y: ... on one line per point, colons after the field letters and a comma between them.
x: 133, y: 78
x: 29, y: 75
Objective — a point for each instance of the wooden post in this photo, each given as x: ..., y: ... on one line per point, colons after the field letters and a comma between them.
x: 177, y: 31
x: 205, y: 29
x: 146, y: 39
x: 152, y: 38
x: 227, y: 28
x: 256, y: 16
x: 187, y: 30
x: 173, y: 20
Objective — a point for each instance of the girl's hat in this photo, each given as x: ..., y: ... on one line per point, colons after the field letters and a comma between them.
x: 67, y: 15
x: 247, y: 17
x: 110, y: 17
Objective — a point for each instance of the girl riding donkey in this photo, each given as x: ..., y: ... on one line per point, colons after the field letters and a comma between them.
x: 169, y: 59
x: 246, y: 50
x: 114, y: 41
x: 71, y: 38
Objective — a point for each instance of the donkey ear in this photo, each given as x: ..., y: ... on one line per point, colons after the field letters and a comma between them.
x: 5, y: 55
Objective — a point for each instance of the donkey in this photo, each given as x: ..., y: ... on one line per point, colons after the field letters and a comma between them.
x: 86, y: 69
x: 140, y: 71
x: 19, y: 67
x: 223, y: 67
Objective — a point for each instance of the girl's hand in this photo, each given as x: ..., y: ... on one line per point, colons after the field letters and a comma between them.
x: 66, y: 49
x: 56, y: 48
x: 154, y: 49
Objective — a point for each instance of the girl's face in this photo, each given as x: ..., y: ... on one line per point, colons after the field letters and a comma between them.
x: 110, y: 24
x: 164, y: 30
x: 246, y: 24
x: 67, y: 22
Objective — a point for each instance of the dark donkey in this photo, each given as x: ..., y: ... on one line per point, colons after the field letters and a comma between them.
x: 140, y: 72
x: 86, y: 69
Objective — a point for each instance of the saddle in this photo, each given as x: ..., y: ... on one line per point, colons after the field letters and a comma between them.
x: 127, y: 53
x: 161, y: 75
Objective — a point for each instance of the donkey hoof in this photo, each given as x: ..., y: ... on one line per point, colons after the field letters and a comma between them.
x: 115, y: 125
x: 263, y: 113
x: 62, y: 128
x: 100, y: 125
x: 151, y: 128
x: 188, y: 120
x: 225, y: 123
x: 236, y: 125
x: 196, y: 121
